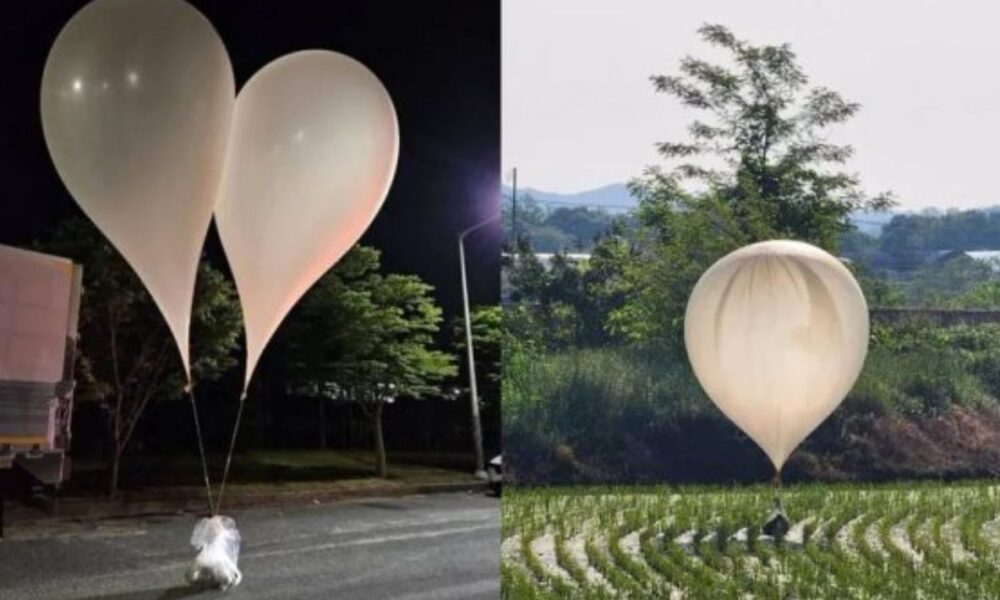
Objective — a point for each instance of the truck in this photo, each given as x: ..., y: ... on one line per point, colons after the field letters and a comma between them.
x: 39, y: 310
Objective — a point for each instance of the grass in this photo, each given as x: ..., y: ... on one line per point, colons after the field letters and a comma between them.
x: 901, y: 540
x: 287, y: 468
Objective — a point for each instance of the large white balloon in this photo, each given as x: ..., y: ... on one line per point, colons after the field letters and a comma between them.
x: 777, y: 334
x: 136, y: 102
x: 312, y: 155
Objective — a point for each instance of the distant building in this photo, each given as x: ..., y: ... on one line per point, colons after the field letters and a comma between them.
x: 990, y: 257
x: 546, y: 257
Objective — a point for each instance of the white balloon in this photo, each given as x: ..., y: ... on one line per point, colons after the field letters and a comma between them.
x: 312, y: 155
x: 777, y: 333
x: 136, y: 103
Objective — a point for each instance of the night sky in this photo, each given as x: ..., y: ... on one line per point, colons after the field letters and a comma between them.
x: 440, y: 62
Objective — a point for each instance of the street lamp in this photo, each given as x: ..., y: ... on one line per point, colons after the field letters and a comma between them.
x: 477, y: 431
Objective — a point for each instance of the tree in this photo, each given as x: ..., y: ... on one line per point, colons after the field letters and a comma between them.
x: 767, y: 128
x: 487, y: 334
x: 878, y: 291
x: 581, y: 224
x: 983, y: 296
x: 127, y: 357
x: 366, y: 338
x: 530, y: 217
x: 487, y: 343
x: 771, y: 174
x: 952, y: 282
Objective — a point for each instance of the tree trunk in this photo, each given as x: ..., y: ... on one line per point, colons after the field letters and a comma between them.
x: 116, y: 460
x: 115, y: 457
x: 322, y: 423
x: 380, y: 462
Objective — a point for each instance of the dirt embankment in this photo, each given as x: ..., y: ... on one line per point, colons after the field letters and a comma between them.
x: 956, y: 443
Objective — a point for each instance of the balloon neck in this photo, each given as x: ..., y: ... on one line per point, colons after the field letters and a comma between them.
x: 776, y: 480
x: 188, y: 387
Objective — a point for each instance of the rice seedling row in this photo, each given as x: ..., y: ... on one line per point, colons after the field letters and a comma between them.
x: 922, y: 540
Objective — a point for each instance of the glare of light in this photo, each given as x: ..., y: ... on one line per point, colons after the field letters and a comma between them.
x: 133, y: 78
x: 77, y: 85
x: 300, y: 135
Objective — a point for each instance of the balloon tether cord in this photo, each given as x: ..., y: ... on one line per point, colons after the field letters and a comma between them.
x: 776, y: 486
x: 232, y: 447
x: 189, y: 388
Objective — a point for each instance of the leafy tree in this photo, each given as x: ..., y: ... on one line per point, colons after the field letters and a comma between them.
x: 878, y: 291
x: 487, y: 340
x: 548, y: 302
x: 526, y: 275
x: 581, y: 224
x: 606, y: 284
x: 559, y: 229
x: 909, y: 242
x: 984, y: 296
x: 127, y: 357
x: 530, y: 219
x: 771, y: 173
x: 949, y: 282
x: 363, y: 337
x: 487, y: 333
x: 768, y: 130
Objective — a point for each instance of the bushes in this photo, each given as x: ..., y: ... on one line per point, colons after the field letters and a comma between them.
x: 915, y: 382
x: 621, y: 414
x: 598, y: 406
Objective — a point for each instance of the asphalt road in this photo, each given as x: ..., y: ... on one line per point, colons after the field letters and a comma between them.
x: 415, y: 548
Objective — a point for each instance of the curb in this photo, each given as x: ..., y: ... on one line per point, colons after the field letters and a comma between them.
x: 87, y: 509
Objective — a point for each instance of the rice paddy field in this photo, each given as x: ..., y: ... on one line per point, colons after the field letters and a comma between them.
x: 915, y: 540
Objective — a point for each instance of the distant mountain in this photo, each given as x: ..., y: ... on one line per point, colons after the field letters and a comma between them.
x: 615, y: 198
x: 871, y: 223
x: 612, y: 198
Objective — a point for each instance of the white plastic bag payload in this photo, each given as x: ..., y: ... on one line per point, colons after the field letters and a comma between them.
x: 218, y: 544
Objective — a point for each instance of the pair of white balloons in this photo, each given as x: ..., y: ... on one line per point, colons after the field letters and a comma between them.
x: 142, y: 121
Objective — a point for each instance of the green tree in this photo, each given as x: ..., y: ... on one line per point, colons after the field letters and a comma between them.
x: 983, y: 296
x: 127, y: 357
x: 487, y: 342
x: 363, y: 337
x: 531, y: 227
x: 943, y: 283
x: 767, y: 128
x: 770, y: 173
x: 878, y: 291
x: 581, y: 224
x: 487, y: 334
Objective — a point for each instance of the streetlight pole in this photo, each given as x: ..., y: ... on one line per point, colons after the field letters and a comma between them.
x: 513, y: 211
x: 477, y: 430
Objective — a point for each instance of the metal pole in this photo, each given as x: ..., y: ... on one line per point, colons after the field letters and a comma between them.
x: 3, y: 497
x: 477, y: 433
x: 513, y: 212
x: 477, y: 430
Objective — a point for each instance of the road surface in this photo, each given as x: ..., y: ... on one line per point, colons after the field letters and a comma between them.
x: 415, y: 548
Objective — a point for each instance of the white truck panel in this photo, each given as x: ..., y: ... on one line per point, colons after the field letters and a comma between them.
x: 35, y: 298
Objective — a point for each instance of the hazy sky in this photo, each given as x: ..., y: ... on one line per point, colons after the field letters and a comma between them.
x: 579, y: 111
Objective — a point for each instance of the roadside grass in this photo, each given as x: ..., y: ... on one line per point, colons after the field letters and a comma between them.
x: 287, y: 469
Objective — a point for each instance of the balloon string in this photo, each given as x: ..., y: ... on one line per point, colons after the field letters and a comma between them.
x: 189, y: 388
x: 232, y: 446
x: 776, y: 484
